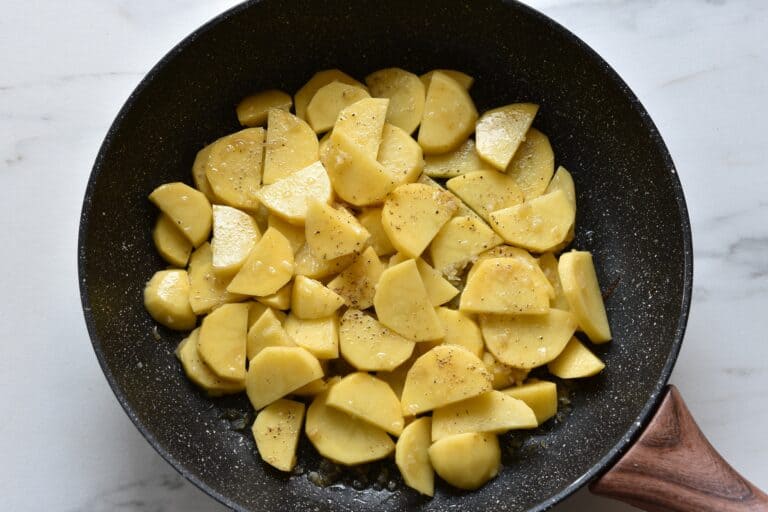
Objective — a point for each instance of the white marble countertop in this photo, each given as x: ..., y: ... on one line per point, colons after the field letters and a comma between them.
x: 700, y: 68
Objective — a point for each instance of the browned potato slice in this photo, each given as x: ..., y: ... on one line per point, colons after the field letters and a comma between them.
x: 318, y: 80
x: 370, y: 219
x: 449, y: 115
x: 459, y: 241
x: 188, y: 208
x: 198, y: 172
x: 288, y: 197
x: 412, y: 456
x: 500, y: 131
x: 234, y: 168
x: 170, y: 242
x: 460, y: 161
x: 504, y: 286
x: 328, y: 101
x: 357, y: 283
x: 461, y: 330
x: 575, y: 361
x: 267, y: 331
x: 332, y: 232
x: 541, y: 397
x: 461, y: 78
x: 368, y: 345
x: 208, y: 290
x: 493, y: 412
x: 199, y: 372
x: 400, y: 155
x: 277, y: 371
x: 268, y: 267
x: 320, y: 336
x: 466, y: 461
x: 312, y: 300
x: 234, y: 235
x: 438, y: 288
x: 537, y: 225
x: 406, y: 96
x: 362, y: 123
x: 276, y: 431
x: 486, y: 191
x: 369, y: 399
x: 253, y: 109
x: 291, y: 146
x: 533, y: 164
x: 166, y: 298
x: 223, y: 340
x: 315, y: 268
x: 581, y: 289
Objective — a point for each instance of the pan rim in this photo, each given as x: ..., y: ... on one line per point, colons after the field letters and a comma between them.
x: 614, y: 452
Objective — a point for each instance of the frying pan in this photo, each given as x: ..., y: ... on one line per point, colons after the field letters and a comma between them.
x: 632, y: 216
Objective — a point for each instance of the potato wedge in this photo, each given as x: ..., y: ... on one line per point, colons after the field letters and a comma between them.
x: 460, y: 161
x: 267, y: 331
x: 413, y: 214
x: 402, y: 304
x: 319, y: 336
x: 291, y: 146
x: 439, y: 290
x: 500, y: 132
x: 278, y: 371
x: 276, y: 431
x: 486, y: 191
x: 362, y: 123
x: 527, y: 341
x: 357, y: 283
x: 369, y: 399
x: 412, y: 456
x: 188, y: 208
x: 312, y: 300
x: 493, y: 412
x: 506, y: 286
x: 533, y: 164
x: 199, y: 372
x: 537, y: 225
x: 234, y: 168
x: 280, y: 300
x: 581, y: 289
x: 166, y: 298
x: 234, y: 235
x: 315, y: 268
x: 540, y: 395
x: 328, y: 101
x: 343, y: 438
x: 288, y: 197
x: 304, y: 95
x: 170, y: 242
x: 223, y: 340
x: 463, y: 79
x: 466, y: 461
x: 461, y: 330
x: 400, y: 155
x: 198, y: 173
x: 459, y: 241
x: 449, y: 115
x: 370, y: 219
x: 253, y: 110
x: 548, y: 264
x: 368, y: 345
x: 333, y: 232
x: 294, y: 233
x: 444, y: 375
x: 208, y: 290
x: 406, y: 94
x: 575, y: 361
x: 268, y: 267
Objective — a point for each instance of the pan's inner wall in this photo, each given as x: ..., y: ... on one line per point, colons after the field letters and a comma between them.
x: 629, y: 216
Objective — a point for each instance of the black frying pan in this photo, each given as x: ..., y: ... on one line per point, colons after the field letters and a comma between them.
x: 632, y: 216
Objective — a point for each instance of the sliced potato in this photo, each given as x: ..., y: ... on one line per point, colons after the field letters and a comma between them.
x: 318, y: 80
x: 460, y: 161
x: 548, y: 264
x: 255, y: 310
x: 504, y: 286
x: 166, y: 298
x: 288, y: 197
x: 486, y: 191
x: 575, y: 361
x: 533, y: 165
x: 234, y: 168
x: 506, y: 251
x: 500, y: 131
x: 463, y: 79
x: 314, y: 388
x: 461, y: 330
x: 502, y: 375
x: 294, y: 233
x: 278, y: 371
x: 462, y: 210
x: 234, y: 235
x: 268, y: 267
x: 188, y: 208
x: 198, y: 173
x: 291, y: 146
x: 312, y: 300
x: 208, y: 290
x: 333, y: 232
x: 459, y: 241
x: 223, y: 340
x: 412, y: 456
x: 199, y: 372
x: 396, y: 377
x: 368, y: 345
x: 315, y: 268
x: 400, y: 155
x: 439, y: 290
x: 328, y: 101
x: 170, y: 242
x: 540, y: 395
x: 357, y: 283
x: 581, y: 289
x: 276, y: 430
x: 562, y: 180
x: 267, y: 331
x: 369, y: 399
x: 252, y: 110
x: 319, y: 336
x: 402, y: 304
x: 370, y: 219
x: 343, y: 438
x: 466, y: 461
x: 493, y: 412
x: 449, y: 115
x: 413, y: 214
x: 444, y: 375
x: 527, y: 341
x: 406, y: 95
x: 537, y: 225
x: 280, y: 300
x: 362, y: 123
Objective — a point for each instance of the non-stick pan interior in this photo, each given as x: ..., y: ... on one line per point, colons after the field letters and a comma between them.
x: 631, y: 215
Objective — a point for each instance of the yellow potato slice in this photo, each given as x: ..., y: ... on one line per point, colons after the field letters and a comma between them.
x: 463, y: 79
x: 291, y: 146
x: 276, y: 430
x: 400, y: 155
x: 288, y: 197
x: 439, y: 290
x: 281, y: 299
x: 255, y: 310
x: 199, y: 372
x: 493, y: 412
x: 320, y: 336
x: 506, y: 251
x: 208, y: 290
x: 370, y: 219
x: 368, y: 345
x: 268, y: 267
x: 460, y: 161
x: 253, y: 110
x: 413, y: 214
x: 459, y: 241
x: 402, y: 304
x: 581, y: 289
x: 461, y: 330
x: 223, y: 339
x: 369, y: 399
x: 304, y: 95
x: 466, y: 461
x: 170, y: 242
x: 294, y: 233
x: 198, y: 173
x: 575, y: 361
x: 357, y: 283
x: 166, y: 298
x: 504, y: 286
x: 343, y: 438
x: 537, y: 225
x: 527, y: 341
x: 314, y: 388
x: 444, y: 375
x: 234, y: 235
x: 267, y: 331
x: 234, y: 168
x: 548, y: 264
x: 540, y: 395
x: 307, y: 265
x: 362, y: 123
x: 261, y: 216
x: 188, y: 208
x: 333, y: 232
x: 503, y: 375
x: 278, y: 371
x: 328, y: 101
x: 396, y: 378
x: 462, y: 210
x: 312, y: 300
x: 449, y: 115
x: 533, y: 165
x: 562, y: 180
x: 486, y: 191
x: 412, y: 456
x: 406, y: 95
x: 500, y: 132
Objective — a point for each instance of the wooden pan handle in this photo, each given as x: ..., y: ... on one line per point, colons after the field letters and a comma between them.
x: 672, y: 467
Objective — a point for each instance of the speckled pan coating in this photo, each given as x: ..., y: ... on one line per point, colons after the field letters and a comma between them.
x: 632, y: 215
